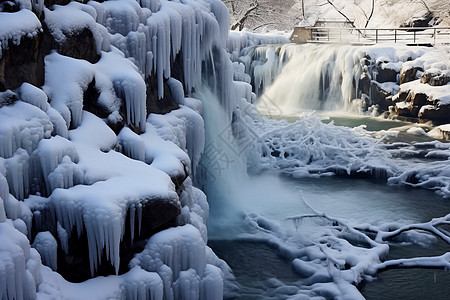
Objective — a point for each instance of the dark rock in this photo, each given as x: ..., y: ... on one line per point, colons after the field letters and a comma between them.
x: 364, y: 83
x: 404, y: 111
x: 79, y: 45
x: 22, y: 63
x: 156, y: 105
x: 91, y: 104
x: 418, y: 99
x: 401, y: 96
x: 423, y: 21
x: 440, y: 114
x: 157, y: 215
x: 435, y: 78
x: 9, y: 6
x: 365, y: 61
x: 177, y: 68
x: 380, y: 97
x: 7, y: 98
x: 386, y: 74
x: 407, y: 75
x: 50, y: 3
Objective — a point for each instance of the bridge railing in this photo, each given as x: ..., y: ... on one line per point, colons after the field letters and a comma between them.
x: 410, y: 36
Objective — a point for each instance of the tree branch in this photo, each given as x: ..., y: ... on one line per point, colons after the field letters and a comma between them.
x: 341, y: 13
x: 241, y: 21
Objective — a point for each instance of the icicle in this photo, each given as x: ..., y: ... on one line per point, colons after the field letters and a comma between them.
x: 46, y: 160
x: 132, y: 144
x: 4, y: 193
x: 139, y: 213
x: 142, y: 285
x: 187, y: 286
x: 63, y: 238
x: 180, y: 248
x: 177, y: 90
x: 212, y: 284
x: 47, y: 247
x: 22, y: 125
x: 19, y: 266
x: 128, y: 85
x: 17, y: 174
x: 132, y: 214
x: 2, y: 211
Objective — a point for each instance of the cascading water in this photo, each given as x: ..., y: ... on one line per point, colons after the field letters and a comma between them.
x: 221, y: 167
x: 316, y: 77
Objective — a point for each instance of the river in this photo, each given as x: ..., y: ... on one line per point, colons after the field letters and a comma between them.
x: 261, y: 257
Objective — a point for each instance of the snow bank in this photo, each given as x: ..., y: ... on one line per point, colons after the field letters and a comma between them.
x: 68, y: 20
x: 66, y: 79
x: 17, y: 25
x: 440, y: 94
x: 136, y: 284
x: 128, y: 85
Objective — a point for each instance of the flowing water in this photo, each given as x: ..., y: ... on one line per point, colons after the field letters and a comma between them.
x: 264, y: 270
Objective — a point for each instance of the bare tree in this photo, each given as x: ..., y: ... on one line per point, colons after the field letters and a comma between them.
x: 254, y: 14
x: 367, y: 16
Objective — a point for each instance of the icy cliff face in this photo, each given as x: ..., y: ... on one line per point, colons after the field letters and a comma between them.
x: 65, y: 175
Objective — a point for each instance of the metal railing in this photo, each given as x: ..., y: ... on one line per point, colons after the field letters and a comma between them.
x: 410, y: 36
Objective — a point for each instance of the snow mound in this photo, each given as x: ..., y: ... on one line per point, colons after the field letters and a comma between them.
x: 15, y: 26
x: 70, y: 19
x: 180, y: 254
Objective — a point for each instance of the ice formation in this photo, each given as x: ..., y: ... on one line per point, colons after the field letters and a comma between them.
x: 61, y: 166
x: 309, y: 147
x: 46, y: 245
x: 20, y: 265
x: 180, y: 255
x: 64, y: 171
